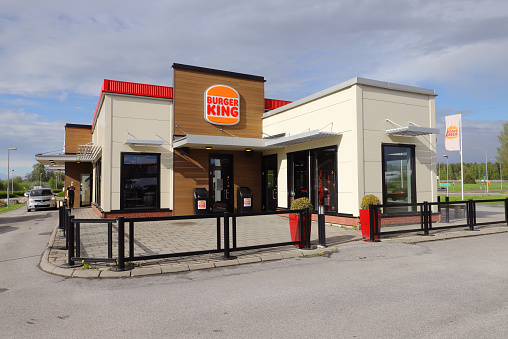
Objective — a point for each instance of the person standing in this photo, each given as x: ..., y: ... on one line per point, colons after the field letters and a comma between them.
x: 70, y: 195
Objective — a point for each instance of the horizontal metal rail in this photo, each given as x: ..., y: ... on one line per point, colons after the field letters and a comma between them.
x: 426, y: 216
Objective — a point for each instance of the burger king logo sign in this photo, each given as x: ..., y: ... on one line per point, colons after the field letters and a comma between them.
x: 222, y: 105
x: 452, y: 132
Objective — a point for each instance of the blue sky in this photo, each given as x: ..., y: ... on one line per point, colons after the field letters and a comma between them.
x: 55, y: 55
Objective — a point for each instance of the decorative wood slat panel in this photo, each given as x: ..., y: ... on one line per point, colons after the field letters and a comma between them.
x: 192, y: 172
x: 189, y: 104
x: 75, y: 136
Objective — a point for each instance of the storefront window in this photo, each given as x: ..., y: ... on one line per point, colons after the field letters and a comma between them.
x: 399, y: 179
x: 140, y: 181
x: 319, y: 166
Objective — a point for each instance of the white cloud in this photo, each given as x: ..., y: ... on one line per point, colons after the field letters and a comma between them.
x: 30, y: 134
x: 59, y: 48
x: 72, y: 46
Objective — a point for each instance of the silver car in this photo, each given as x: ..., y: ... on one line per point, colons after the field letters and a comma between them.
x: 41, y: 198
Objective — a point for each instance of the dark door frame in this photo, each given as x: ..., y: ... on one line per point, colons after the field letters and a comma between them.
x: 264, y: 182
x: 230, y: 201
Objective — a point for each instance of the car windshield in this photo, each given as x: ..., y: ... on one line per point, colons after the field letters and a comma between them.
x: 40, y: 193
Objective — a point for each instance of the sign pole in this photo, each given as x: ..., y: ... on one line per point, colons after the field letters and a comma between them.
x: 461, y: 160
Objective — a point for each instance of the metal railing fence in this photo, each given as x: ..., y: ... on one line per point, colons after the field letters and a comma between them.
x: 443, y: 208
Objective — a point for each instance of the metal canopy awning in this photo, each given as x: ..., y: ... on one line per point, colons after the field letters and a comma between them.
x: 55, y: 159
x: 300, y: 138
x: 143, y: 142
x: 219, y: 142
x: 237, y: 143
x: 88, y: 152
x: 412, y: 131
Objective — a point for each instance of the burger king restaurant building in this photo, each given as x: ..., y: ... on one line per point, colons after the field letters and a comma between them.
x: 149, y: 147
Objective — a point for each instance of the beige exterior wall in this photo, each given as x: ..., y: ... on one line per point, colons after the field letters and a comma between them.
x: 332, y: 113
x: 125, y: 117
x: 402, y: 108
x: 359, y: 113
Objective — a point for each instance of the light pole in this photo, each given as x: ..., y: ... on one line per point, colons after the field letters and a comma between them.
x: 40, y: 180
x: 486, y: 170
x: 12, y: 182
x: 447, y: 183
x: 8, y: 170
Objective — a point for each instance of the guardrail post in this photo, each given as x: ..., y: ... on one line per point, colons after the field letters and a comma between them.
x: 372, y: 222
x: 447, y: 200
x: 426, y: 218
x: 471, y: 218
x: 60, y: 215
x: 70, y: 242
x: 226, y: 235
x: 131, y: 239
x: 474, y: 212
x: 110, y: 240
x: 121, y: 244
x: 321, y: 226
x: 78, y: 239
x: 65, y: 224
x: 506, y: 211
x: 234, y: 231
x: 218, y: 234
x: 307, y: 228
x: 430, y: 215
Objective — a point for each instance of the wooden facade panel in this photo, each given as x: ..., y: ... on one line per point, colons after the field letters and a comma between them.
x: 190, y: 87
x: 75, y: 136
x: 192, y: 171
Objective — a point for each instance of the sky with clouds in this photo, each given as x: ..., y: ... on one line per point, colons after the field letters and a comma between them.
x: 55, y: 54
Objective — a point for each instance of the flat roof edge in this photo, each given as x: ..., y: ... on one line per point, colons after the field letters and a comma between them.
x: 346, y: 84
x: 218, y: 72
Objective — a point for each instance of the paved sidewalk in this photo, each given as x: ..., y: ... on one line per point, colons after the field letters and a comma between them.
x: 164, y: 237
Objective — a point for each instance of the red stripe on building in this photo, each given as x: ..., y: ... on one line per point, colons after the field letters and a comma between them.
x: 273, y: 103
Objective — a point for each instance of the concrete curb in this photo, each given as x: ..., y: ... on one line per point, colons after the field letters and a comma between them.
x: 154, y: 269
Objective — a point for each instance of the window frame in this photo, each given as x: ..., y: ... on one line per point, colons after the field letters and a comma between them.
x: 412, y: 149
x: 122, y: 185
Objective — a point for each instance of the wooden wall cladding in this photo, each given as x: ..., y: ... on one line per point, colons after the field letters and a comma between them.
x: 192, y: 172
x: 75, y: 136
x: 189, y: 89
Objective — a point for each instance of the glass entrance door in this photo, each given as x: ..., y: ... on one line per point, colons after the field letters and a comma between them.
x: 269, y: 178
x: 86, y: 189
x: 298, y: 175
x: 221, y: 183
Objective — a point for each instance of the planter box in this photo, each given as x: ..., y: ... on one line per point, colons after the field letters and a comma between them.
x: 365, y: 223
x: 294, y: 225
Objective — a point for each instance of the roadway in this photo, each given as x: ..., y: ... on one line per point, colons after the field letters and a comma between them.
x: 445, y: 289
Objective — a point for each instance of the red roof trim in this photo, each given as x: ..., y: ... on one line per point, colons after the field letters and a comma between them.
x: 155, y: 91
x: 122, y: 87
x: 273, y: 103
x: 132, y: 88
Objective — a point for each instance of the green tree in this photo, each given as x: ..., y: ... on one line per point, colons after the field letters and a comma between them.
x: 39, y: 173
x: 469, y: 178
x: 502, y: 150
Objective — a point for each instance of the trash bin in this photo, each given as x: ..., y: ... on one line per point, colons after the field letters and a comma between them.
x: 243, y: 200
x: 200, y: 201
